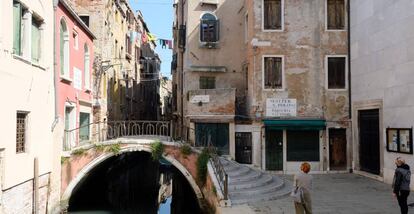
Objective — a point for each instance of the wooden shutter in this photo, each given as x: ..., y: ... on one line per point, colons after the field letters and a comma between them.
x: 340, y: 14
x: 272, y: 14
x: 278, y: 72
x: 273, y: 72
x: 336, y: 73
x: 331, y: 14
x: 17, y: 22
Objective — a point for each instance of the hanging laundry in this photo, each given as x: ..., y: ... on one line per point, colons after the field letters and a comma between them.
x: 144, y: 38
x: 151, y: 37
x: 170, y: 44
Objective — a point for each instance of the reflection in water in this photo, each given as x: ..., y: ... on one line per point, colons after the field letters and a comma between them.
x: 134, y: 183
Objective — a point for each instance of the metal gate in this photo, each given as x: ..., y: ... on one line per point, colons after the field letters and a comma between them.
x: 274, y: 150
x: 369, y: 136
x: 244, y: 147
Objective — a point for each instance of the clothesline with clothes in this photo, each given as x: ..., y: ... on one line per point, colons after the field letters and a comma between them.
x: 149, y: 37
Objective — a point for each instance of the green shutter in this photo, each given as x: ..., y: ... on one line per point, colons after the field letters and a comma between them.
x: 35, y: 42
x: 17, y: 22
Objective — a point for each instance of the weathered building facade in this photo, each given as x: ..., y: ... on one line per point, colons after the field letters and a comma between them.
x: 382, y: 85
x: 271, y: 75
x: 29, y: 158
x: 297, y: 84
x: 121, y: 38
x: 207, y: 71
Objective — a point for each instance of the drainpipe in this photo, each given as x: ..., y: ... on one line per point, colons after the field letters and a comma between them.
x: 349, y: 60
x: 55, y: 76
x: 182, y: 75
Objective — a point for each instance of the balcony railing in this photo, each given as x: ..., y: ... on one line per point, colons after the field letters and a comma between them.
x: 102, y: 131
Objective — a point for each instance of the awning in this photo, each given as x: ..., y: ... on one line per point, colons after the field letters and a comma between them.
x: 312, y: 124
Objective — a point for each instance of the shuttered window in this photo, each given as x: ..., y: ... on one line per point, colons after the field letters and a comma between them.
x: 336, y: 73
x: 209, y: 28
x: 273, y: 78
x: 336, y: 14
x: 272, y: 14
x: 207, y: 82
x: 302, y: 145
x: 17, y: 30
x: 36, y: 38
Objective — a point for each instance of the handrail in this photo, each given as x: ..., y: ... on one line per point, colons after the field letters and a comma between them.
x: 100, y: 131
x: 219, y: 171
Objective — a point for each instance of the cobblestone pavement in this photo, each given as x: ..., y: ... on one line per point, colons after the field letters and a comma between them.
x: 334, y: 193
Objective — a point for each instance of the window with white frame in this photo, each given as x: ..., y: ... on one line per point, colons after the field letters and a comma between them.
x: 64, y: 49
x: 272, y: 14
x: 337, y: 74
x: 87, y: 68
x: 18, y: 11
x: 209, y: 28
x: 335, y: 14
x: 273, y: 72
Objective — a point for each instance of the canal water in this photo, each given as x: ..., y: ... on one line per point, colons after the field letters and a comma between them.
x: 134, y: 183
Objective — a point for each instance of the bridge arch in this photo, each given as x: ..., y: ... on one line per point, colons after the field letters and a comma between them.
x: 125, y: 148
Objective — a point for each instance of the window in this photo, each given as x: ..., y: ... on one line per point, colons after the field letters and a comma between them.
x: 17, y: 28
x: 21, y: 126
x: 64, y: 49
x: 272, y: 14
x: 75, y: 40
x: 209, y: 28
x: 335, y: 14
x: 246, y: 27
x: 336, y: 72
x: 85, y: 19
x: 128, y: 45
x: 302, y: 145
x: 87, y: 65
x: 36, y: 40
x: 214, y: 133
x: 273, y: 74
x: 207, y: 82
x: 84, y: 120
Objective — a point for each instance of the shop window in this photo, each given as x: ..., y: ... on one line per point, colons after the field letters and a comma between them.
x: 207, y: 82
x: 273, y: 72
x: 335, y: 14
x: 21, y: 129
x: 216, y: 134
x: 302, y: 145
x: 209, y: 28
x: 272, y: 14
x: 337, y: 72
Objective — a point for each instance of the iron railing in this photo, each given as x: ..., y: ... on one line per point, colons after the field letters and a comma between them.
x: 219, y: 171
x: 102, y: 131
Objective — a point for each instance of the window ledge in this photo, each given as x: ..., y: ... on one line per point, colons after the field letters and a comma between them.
x: 209, y: 45
x: 23, y: 59
x: 39, y: 66
x: 337, y: 89
x: 273, y: 31
x: 66, y: 79
x: 88, y: 89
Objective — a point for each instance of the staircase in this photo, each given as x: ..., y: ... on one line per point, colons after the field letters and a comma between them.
x: 246, y: 184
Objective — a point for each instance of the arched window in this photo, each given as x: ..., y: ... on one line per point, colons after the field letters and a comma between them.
x: 64, y: 49
x: 209, y: 28
x: 87, y: 65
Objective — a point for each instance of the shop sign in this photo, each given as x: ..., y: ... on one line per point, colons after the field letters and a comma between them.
x: 200, y: 98
x: 280, y: 107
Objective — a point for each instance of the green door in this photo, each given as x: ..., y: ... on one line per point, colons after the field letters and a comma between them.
x: 274, y: 150
x: 84, y: 126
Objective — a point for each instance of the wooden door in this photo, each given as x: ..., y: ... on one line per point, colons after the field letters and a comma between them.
x: 274, y: 150
x: 244, y: 147
x: 369, y: 151
x: 337, y: 149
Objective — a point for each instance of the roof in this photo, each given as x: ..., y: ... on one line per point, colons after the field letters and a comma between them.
x: 77, y: 18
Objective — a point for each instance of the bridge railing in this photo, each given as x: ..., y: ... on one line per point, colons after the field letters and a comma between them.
x: 219, y: 171
x: 101, y: 131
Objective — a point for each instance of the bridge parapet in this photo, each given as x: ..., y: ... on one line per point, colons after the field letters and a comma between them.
x: 103, y: 131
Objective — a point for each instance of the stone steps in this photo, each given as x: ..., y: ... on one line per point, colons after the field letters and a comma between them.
x: 248, y: 185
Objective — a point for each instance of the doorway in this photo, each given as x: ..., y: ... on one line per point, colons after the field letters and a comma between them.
x: 244, y: 147
x: 337, y: 149
x: 274, y: 150
x: 369, y: 137
x: 70, y: 125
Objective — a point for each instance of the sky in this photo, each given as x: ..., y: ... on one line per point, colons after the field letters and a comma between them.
x: 158, y: 14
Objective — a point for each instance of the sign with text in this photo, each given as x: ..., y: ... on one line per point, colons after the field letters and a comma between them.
x: 200, y: 98
x: 280, y: 107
